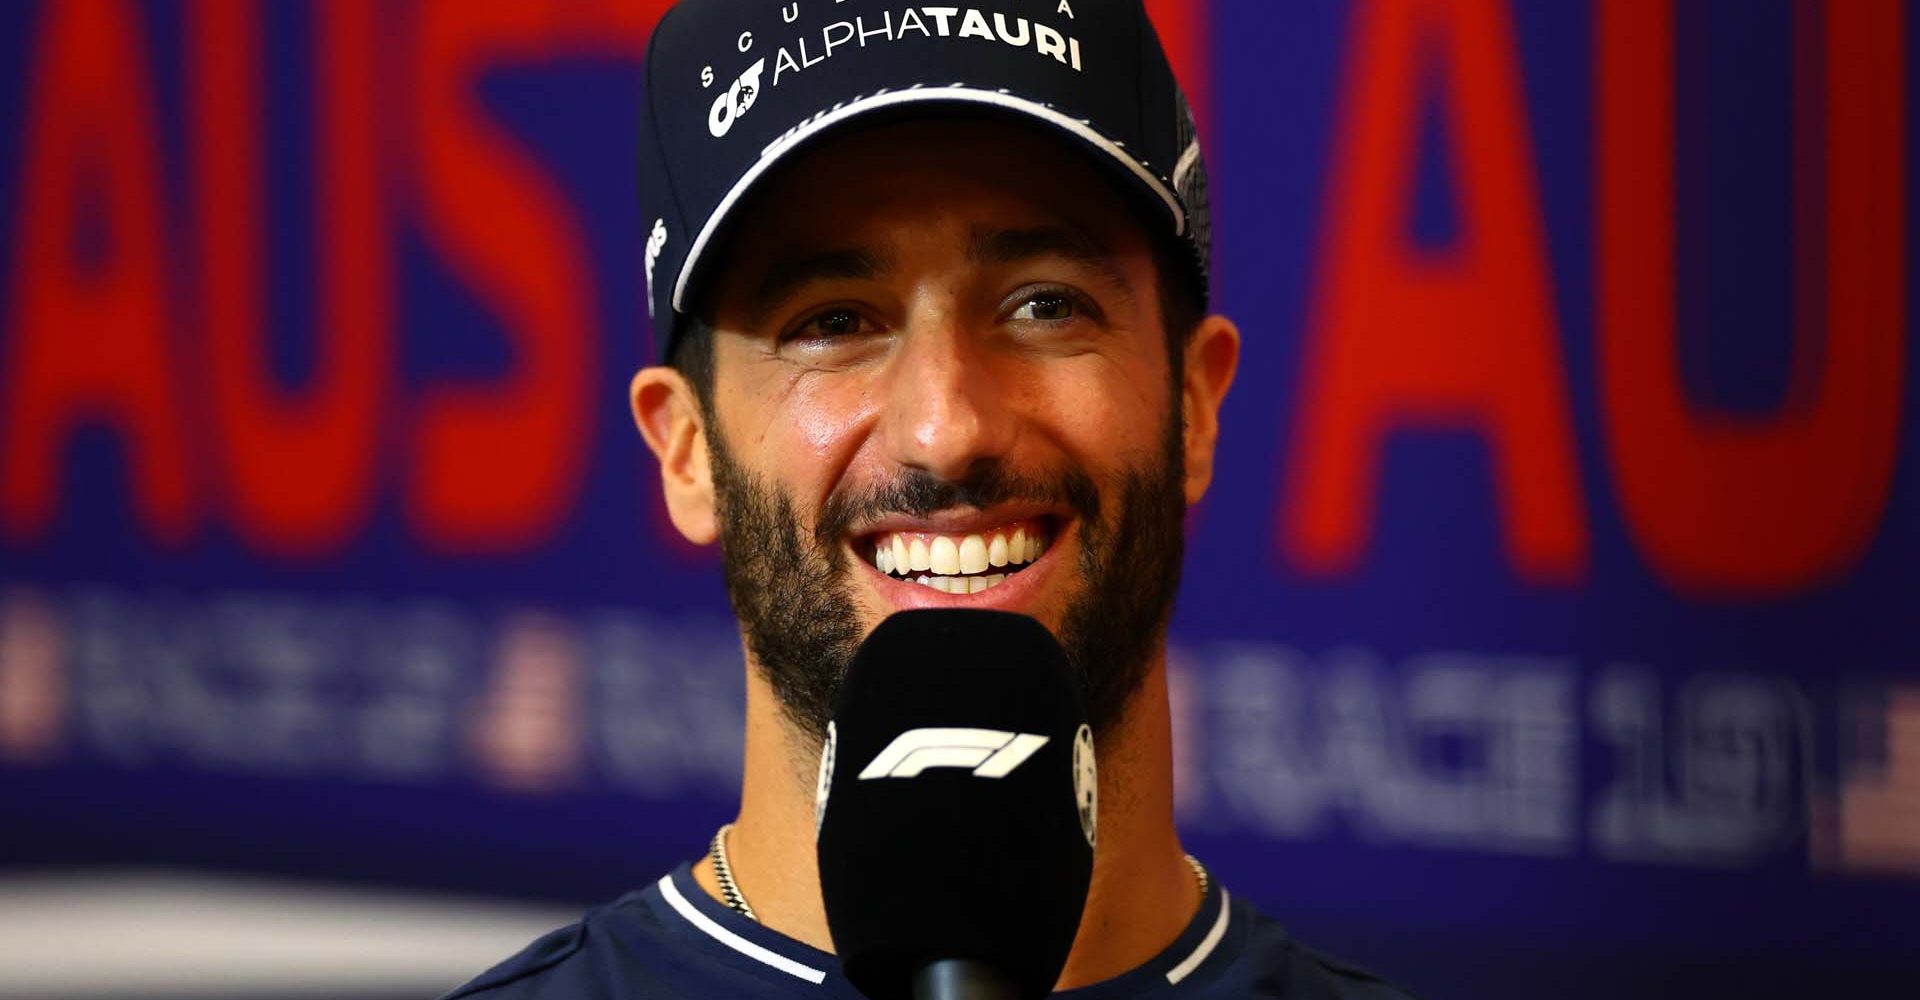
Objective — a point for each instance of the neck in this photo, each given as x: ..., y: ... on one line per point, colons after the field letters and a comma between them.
x: 1142, y: 894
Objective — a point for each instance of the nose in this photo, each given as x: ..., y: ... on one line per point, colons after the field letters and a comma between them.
x: 947, y: 404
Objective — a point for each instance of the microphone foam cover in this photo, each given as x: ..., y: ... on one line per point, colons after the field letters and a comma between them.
x: 957, y: 790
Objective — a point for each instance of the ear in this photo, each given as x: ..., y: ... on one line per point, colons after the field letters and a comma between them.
x: 669, y: 417
x: 1213, y: 353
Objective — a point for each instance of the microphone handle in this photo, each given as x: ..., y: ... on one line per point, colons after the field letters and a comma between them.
x: 961, y: 979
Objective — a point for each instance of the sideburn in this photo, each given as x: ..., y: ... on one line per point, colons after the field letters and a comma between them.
x: 799, y: 620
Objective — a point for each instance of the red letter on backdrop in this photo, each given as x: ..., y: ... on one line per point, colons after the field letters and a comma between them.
x: 496, y: 467
x: 1402, y: 337
x: 1718, y: 504
x: 302, y: 464
x: 87, y: 341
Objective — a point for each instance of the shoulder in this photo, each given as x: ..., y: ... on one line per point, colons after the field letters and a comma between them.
x: 663, y: 942
x: 611, y: 951
x: 1283, y: 966
x: 1324, y: 975
x: 510, y: 978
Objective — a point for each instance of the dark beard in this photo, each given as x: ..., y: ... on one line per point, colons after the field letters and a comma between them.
x: 791, y: 594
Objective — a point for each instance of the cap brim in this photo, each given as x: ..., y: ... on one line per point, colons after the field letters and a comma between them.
x: 782, y: 149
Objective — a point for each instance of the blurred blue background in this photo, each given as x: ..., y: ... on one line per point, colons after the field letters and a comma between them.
x: 1553, y: 627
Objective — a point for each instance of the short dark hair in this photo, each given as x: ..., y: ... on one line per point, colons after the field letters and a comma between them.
x: 1182, y: 307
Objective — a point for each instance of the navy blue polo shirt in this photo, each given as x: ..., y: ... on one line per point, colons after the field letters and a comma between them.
x: 672, y: 940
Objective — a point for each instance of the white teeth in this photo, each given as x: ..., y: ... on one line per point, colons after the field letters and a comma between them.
x: 961, y: 584
x: 945, y: 555
x: 973, y: 554
x: 903, y: 555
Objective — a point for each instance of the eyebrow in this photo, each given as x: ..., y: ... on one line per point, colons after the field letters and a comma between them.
x: 985, y: 245
x: 789, y: 274
x: 1018, y: 246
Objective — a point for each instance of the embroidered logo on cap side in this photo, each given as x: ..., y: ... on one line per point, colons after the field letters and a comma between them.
x: 736, y: 101
x: 656, y: 242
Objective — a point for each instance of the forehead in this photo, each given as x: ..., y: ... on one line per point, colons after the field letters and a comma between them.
x: 929, y: 177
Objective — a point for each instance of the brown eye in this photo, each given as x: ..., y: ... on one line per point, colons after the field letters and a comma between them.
x: 1048, y: 307
x: 832, y: 323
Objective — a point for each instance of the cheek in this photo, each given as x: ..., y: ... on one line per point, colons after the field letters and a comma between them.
x: 813, y: 426
x: 1107, y: 407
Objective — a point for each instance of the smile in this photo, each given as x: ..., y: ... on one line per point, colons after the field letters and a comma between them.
x: 959, y: 563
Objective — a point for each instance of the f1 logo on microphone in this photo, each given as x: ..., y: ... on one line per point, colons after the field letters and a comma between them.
x: 990, y: 753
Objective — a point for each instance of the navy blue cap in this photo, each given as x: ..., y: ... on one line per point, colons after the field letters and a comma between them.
x: 735, y: 87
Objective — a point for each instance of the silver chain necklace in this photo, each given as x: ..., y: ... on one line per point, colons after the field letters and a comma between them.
x: 1200, y: 872
x: 723, y: 873
x: 737, y: 901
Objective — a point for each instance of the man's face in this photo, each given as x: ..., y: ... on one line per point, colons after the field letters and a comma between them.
x: 941, y: 380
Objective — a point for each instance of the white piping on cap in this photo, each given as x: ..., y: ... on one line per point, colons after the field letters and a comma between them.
x: 1189, y: 158
x: 1033, y: 109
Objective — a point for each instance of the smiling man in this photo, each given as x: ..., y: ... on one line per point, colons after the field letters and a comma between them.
x: 931, y: 285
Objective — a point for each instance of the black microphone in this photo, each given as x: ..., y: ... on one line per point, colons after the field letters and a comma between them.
x: 957, y: 798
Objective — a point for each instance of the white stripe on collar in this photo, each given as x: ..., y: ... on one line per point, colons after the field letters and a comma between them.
x: 1207, y: 944
x: 748, y: 948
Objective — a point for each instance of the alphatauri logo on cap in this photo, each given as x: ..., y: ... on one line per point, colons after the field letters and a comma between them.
x: 738, y: 98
